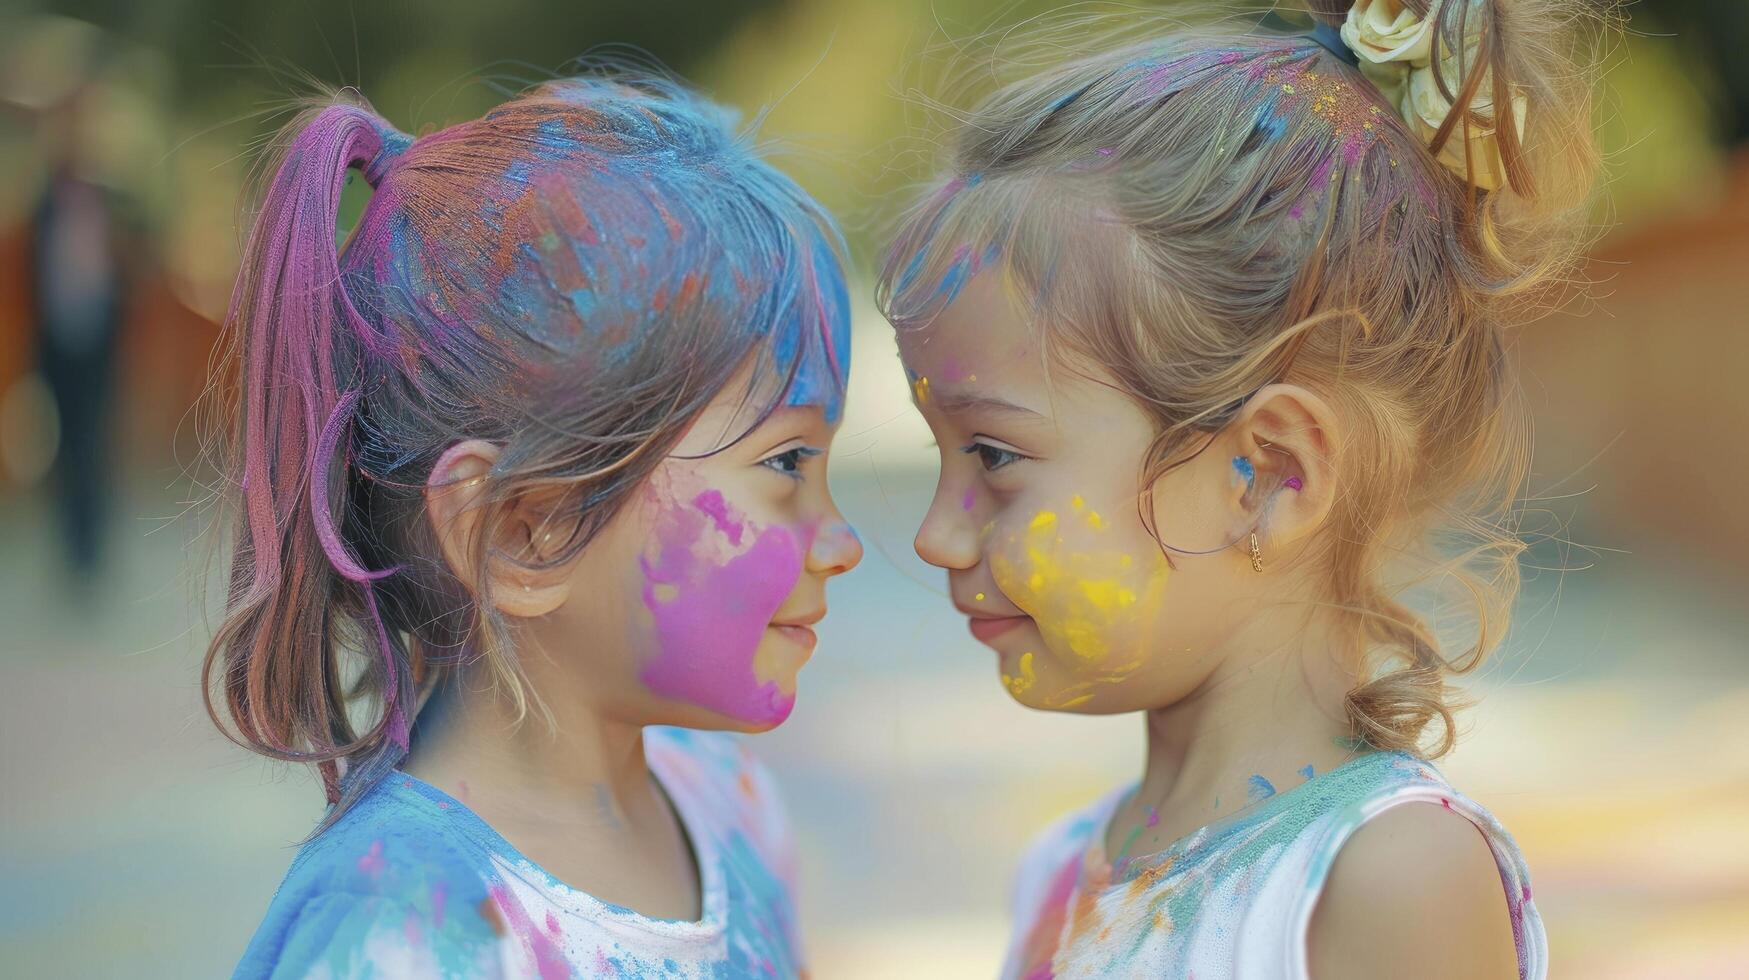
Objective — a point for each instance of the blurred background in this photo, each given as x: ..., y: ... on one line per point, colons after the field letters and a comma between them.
x: 1612, y: 734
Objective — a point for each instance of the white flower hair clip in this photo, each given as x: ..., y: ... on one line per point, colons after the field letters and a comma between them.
x: 1393, y: 47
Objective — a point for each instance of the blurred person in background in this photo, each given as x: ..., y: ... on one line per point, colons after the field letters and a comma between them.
x: 79, y: 266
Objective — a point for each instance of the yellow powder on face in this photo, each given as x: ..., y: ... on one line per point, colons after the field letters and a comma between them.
x: 979, y: 597
x: 1018, y: 685
x: 1076, y: 591
x: 920, y: 389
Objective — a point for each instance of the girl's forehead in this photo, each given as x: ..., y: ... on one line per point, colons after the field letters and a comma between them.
x: 983, y: 329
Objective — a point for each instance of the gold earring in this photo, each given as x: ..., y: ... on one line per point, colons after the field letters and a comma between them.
x: 1256, y: 554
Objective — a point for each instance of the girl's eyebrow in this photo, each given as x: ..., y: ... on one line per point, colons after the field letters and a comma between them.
x: 952, y: 401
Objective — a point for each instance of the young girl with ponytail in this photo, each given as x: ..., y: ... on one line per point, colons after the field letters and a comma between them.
x: 1211, y: 325
x: 533, y: 464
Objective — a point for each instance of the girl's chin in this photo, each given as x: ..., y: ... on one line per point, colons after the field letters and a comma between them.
x: 750, y: 722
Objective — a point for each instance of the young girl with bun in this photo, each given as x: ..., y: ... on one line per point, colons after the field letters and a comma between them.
x: 1212, y: 326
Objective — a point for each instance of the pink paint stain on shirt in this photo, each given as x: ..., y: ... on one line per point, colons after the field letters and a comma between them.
x: 372, y: 862
x: 711, y: 613
x: 549, y: 960
x: 1041, y: 943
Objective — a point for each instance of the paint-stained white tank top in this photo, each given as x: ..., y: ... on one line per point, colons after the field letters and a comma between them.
x: 1234, y: 899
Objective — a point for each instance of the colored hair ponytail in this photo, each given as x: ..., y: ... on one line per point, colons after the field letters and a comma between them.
x: 303, y: 357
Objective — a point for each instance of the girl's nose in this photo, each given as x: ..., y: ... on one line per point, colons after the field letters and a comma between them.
x: 949, y: 535
x: 836, y: 548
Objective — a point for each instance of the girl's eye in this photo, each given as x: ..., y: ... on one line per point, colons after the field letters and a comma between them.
x: 789, y: 462
x: 993, y: 458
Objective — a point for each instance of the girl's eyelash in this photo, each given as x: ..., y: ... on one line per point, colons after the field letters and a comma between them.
x: 993, y: 458
x: 789, y: 462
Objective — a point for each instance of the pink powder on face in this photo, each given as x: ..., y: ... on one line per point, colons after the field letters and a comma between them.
x: 711, y: 612
x: 712, y: 503
x: 969, y: 501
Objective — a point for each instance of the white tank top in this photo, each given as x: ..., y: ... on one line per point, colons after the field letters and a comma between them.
x: 1235, y: 898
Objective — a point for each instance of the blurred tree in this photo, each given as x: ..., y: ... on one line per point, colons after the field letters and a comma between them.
x: 1714, y: 32
x: 372, y: 44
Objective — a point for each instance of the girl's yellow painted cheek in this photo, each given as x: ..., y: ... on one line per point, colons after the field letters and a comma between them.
x: 1079, y: 588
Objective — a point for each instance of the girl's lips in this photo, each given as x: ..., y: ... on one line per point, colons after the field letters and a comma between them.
x: 987, y: 629
x: 801, y: 635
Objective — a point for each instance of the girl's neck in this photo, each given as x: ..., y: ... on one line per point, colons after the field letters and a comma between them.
x: 576, y: 796
x: 586, y: 766
x: 1271, y: 710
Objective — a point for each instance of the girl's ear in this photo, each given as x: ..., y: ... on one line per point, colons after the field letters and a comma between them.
x: 517, y: 578
x: 1284, y: 453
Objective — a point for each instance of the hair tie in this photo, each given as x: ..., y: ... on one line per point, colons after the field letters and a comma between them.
x: 394, y: 143
x: 1395, y: 49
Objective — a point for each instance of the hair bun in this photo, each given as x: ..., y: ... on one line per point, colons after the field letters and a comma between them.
x: 1426, y: 68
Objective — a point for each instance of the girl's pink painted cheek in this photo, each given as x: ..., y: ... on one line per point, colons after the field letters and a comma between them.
x: 711, y: 614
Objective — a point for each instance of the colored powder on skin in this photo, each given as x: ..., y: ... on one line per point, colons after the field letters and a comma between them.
x: 711, y: 613
x: 1077, y: 593
x: 1247, y: 472
x: 979, y: 597
x: 1258, y: 789
x: 1293, y: 483
x: 1306, y: 771
x: 1021, y: 683
x: 713, y: 504
x: 920, y: 390
x: 969, y: 501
